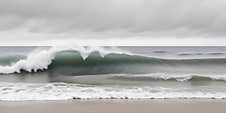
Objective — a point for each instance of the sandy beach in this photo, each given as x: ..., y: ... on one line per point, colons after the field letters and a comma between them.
x: 115, y: 106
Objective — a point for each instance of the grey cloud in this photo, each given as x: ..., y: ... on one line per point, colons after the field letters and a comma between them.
x: 161, y: 17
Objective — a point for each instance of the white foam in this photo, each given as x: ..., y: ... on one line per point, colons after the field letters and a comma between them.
x: 40, y: 60
x: 63, y: 91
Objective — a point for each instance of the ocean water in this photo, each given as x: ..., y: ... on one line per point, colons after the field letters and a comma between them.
x: 76, y: 72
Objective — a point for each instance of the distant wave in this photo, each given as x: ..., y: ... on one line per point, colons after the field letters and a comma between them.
x: 216, y: 53
x: 164, y: 76
x: 190, y: 54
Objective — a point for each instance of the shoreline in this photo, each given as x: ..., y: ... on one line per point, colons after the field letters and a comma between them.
x: 116, y: 106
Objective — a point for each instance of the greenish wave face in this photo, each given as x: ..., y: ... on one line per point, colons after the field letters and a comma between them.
x: 74, y: 58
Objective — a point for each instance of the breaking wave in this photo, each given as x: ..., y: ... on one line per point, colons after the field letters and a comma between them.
x: 40, y: 60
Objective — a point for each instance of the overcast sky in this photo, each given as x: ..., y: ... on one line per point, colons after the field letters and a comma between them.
x: 114, y: 22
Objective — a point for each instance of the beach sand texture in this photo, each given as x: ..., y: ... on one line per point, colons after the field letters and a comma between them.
x: 118, y: 106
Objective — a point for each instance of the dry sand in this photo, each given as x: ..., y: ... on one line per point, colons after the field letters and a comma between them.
x: 115, y: 106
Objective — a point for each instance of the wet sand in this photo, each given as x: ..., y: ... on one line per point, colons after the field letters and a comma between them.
x: 115, y: 106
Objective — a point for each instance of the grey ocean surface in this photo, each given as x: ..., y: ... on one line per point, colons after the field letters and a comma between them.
x: 149, y: 72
